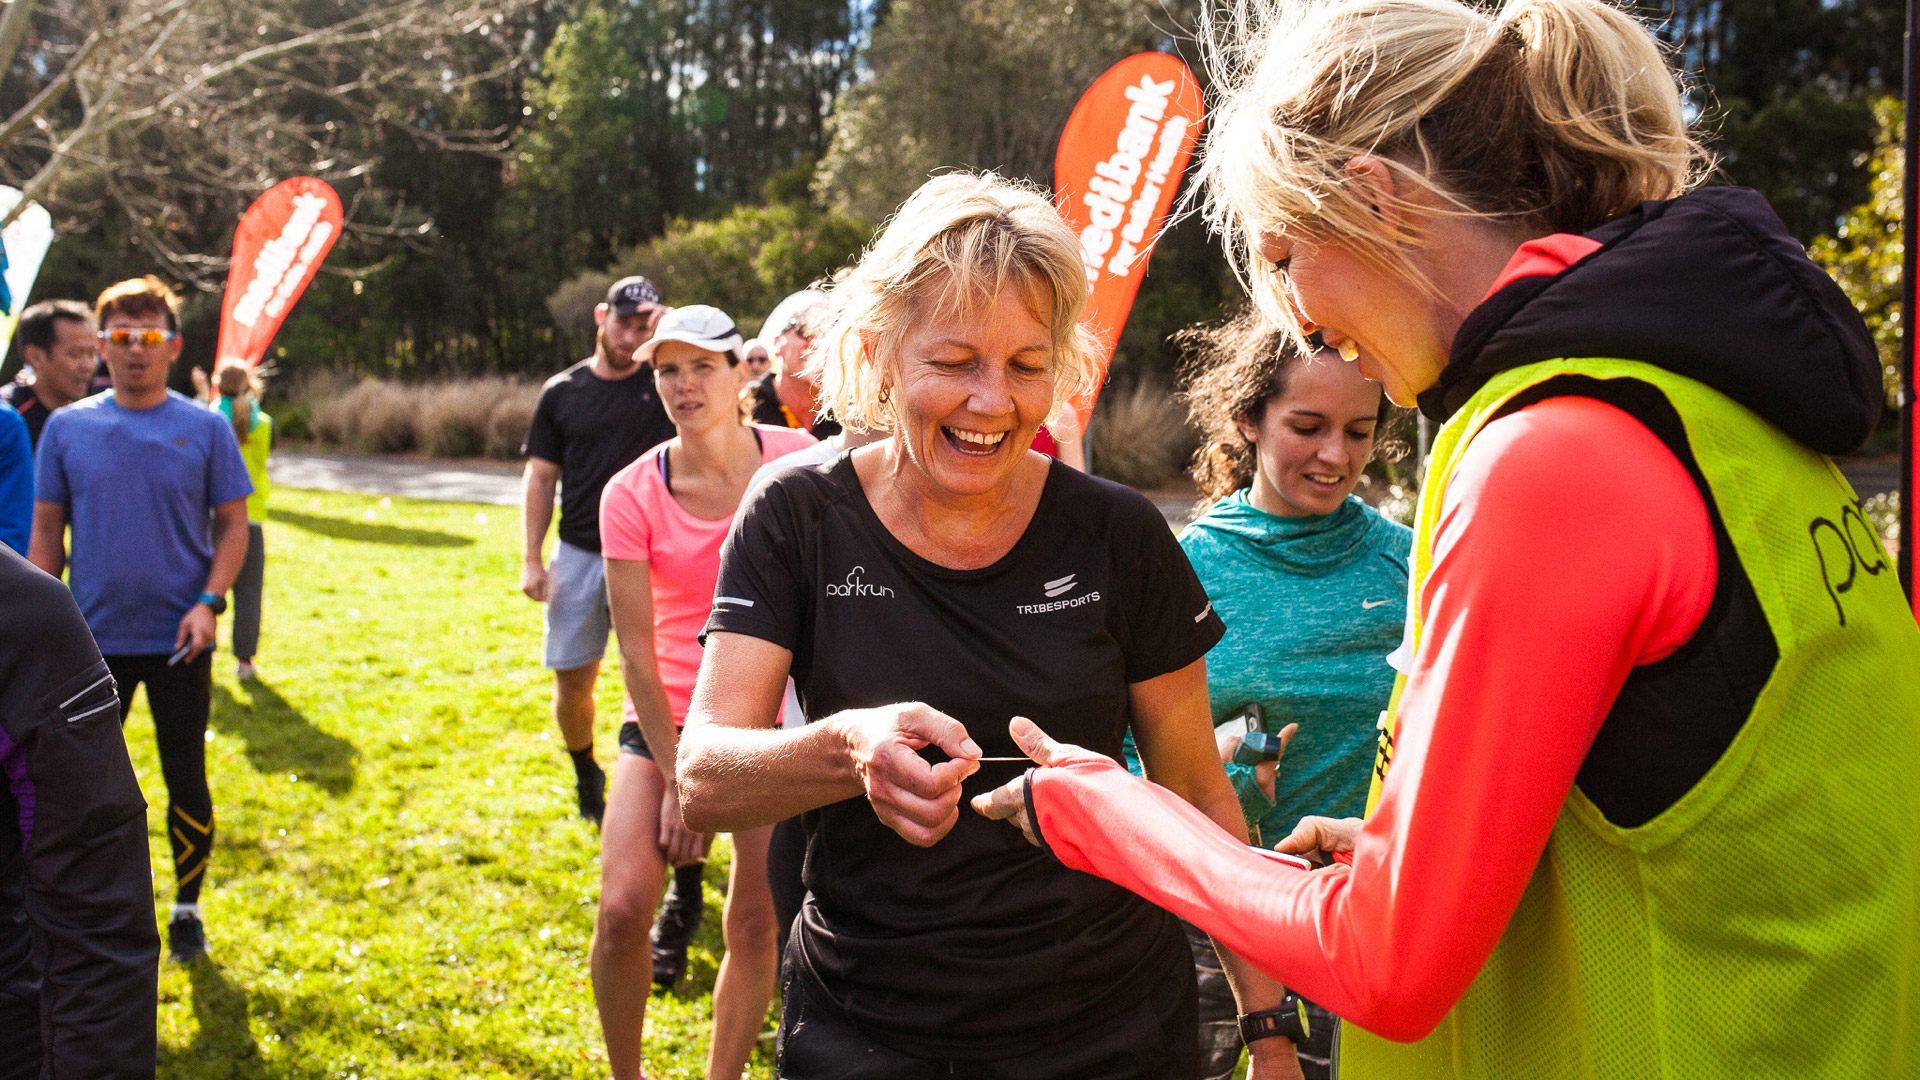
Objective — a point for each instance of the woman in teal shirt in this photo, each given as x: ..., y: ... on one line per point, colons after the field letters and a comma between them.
x: 1312, y: 584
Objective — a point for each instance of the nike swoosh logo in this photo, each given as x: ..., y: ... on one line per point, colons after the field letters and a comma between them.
x: 1369, y: 605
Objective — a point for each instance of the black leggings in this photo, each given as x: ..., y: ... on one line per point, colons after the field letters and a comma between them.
x: 1154, y: 1038
x: 180, y: 697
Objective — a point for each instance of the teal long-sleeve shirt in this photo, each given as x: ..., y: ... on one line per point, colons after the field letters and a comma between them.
x: 1312, y: 606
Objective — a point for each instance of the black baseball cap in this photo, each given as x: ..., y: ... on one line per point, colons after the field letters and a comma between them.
x: 629, y: 294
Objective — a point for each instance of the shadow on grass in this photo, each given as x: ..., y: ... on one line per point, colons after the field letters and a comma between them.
x: 280, y: 740
x: 368, y: 532
x: 223, y: 1046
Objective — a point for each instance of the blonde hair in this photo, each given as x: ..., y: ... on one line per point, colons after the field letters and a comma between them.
x: 237, y: 381
x: 950, y: 249
x: 1541, y: 115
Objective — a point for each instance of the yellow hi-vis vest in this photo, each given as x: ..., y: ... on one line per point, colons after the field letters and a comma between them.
x: 1765, y: 924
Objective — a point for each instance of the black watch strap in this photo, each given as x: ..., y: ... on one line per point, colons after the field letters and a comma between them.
x: 1288, y: 1019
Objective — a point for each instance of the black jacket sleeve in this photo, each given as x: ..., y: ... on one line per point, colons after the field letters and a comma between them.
x: 78, y: 943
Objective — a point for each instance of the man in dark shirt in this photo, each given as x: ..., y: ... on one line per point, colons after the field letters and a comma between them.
x: 592, y: 420
x: 789, y: 397
x: 79, y: 952
x: 57, y: 343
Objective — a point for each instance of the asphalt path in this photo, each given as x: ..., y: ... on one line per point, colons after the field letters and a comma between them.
x: 498, y: 485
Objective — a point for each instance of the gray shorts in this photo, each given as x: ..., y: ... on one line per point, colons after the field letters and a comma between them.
x: 578, y: 621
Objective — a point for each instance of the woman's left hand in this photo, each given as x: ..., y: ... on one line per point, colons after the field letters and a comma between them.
x: 1008, y: 802
x: 1267, y: 773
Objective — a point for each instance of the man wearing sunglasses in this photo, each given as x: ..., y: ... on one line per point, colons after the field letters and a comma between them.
x: 154, y: 490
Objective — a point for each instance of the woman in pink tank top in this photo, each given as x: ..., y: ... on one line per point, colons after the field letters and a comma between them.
x: 662, y: 521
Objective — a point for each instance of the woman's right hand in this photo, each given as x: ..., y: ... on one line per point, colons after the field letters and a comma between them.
x: 1321, y: 838
x: 918, y: 800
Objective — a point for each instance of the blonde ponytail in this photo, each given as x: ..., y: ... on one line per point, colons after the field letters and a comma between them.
x: 239, y: 384
x: 1541, y: 116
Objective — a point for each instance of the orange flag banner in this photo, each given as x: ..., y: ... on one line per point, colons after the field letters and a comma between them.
x: 1120, y: 160
x: 277, y: 248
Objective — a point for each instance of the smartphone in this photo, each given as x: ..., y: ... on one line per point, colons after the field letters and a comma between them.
x: 1258, y: 746
x: 181, y: 655
x: 1294, y: 861
x: 1249, y: 719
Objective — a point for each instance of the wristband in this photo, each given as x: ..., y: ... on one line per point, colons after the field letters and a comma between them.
x: 1288, y: 1020
x: 216, y: 602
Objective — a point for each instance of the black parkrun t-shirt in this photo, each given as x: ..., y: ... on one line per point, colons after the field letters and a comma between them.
x: 592, y: 428
x: 981, y: 946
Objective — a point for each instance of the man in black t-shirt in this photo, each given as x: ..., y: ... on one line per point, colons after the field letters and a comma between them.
x: 57, y: 343
x: 592, y: 420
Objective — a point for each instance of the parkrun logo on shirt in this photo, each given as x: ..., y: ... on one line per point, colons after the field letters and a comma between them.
x: 1057, y: 587
x: 857, y: 587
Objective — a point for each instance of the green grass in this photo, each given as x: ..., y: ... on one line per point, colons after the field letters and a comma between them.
x: 400, y: 887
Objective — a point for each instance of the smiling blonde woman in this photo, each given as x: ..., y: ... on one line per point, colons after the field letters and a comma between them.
x: 921, y: 591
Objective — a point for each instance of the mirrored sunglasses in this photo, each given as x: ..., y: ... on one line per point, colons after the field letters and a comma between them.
x: 136, y: 337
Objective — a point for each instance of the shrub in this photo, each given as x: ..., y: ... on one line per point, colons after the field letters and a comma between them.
x: 453, y: 416
x: 508, y: 422
x: 1139, y: 436
x: 572, y: 304
x: 459, y: 418
x: 384, y: 417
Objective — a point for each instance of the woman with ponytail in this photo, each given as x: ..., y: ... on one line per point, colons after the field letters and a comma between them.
x: 1647, y: 800
x: 237, y: 390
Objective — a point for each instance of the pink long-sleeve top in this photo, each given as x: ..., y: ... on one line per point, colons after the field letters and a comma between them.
x: 1572, y: 547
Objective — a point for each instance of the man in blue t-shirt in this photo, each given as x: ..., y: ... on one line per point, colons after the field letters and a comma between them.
x: 155, y: 491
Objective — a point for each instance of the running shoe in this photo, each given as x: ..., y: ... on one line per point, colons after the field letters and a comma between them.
x: 591, y: 787
x: 673, y: 931
x: 186, y: 939
x: 245, y: 670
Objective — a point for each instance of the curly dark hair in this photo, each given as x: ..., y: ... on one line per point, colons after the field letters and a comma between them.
x: 1232, y: 370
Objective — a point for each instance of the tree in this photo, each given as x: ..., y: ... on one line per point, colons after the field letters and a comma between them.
x: 743, y: 262
x: 644, y: 112
x: 1864, y: 254
x: 1784, y: 89
x: 983, y: 84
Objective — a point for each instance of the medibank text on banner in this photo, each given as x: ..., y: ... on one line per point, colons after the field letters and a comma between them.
x: 1120, y: 160
x: 277, y: 248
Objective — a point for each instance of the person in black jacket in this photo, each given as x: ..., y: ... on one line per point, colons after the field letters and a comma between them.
x: 79, y: 949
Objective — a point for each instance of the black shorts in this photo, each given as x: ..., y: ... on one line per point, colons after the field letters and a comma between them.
x: 1156, y: 1038
x: 632, y: 742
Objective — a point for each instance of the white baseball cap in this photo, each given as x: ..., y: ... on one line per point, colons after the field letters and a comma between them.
x: 789, y: 311
x: 701, y: 325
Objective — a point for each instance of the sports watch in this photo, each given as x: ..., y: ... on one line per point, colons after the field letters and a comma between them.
x: 215, y: 601
x: 1288, y: 1019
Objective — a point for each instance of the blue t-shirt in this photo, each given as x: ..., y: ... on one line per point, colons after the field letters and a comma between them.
x: 16, y: 480
x: 139, y: 488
